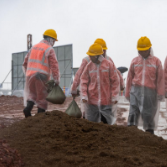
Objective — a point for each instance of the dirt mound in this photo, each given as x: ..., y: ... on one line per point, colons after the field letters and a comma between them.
x: 53, y: 139
x: 9, y: 157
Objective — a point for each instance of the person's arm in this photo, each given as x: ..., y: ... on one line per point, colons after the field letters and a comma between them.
x: 25, y: 63
x: 165, y: 76
x: 54, y: 66
x: 160, y: 82
x: 84, y: 84
x: 129, y: 81
x: 77, y: 77
x: 115, y: 84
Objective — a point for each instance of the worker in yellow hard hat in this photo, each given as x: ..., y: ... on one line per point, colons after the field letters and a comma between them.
x: 51, y: 36
x: 38, y: 63
x: 99, y: 86
x: 101, y: 42
x: 104, y: 46
x: 144, y: 87
x: 122, y: 84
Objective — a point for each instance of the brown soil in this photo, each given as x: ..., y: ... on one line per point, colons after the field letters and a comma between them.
x: 11, y: 109
x: 53, y: 139
x: 9, y: 157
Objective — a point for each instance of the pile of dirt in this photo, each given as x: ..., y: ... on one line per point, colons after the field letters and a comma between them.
x: 9, y: 157
x: 54, y: 139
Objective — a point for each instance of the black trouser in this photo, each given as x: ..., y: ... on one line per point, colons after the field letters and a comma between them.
x: 27, y: 110
x: 150, y: 131
x: 40, y: 110
x: 103, y: 119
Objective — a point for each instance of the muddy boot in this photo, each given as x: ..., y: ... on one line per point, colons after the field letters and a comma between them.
x: 150, y: 131
x: 40, y: 110
x: 27, y: 110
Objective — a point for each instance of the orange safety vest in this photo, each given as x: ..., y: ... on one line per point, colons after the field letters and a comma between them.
x: 37, y: 61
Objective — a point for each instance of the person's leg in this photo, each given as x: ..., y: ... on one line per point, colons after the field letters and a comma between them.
x: 134, y: 111
x: 150, y: 131
x: 149, y: 110
x: 103, y: 119
x: 92, y: 113
x: 106, y: 114
x: 40, y: 110
x: 41, y: 90
x: 31, y: 95
x: 31, y: 88
x: 28, y: 108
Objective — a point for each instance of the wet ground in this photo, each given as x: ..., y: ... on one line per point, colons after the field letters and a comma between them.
x: 162, y: 123
x: 11, y: 108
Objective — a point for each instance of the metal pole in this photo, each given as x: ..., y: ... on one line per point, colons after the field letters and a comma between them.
x: 29, y: 41
x: 6, y: 76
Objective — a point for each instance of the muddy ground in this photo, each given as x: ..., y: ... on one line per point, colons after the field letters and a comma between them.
x: 11, y: 110
x: 55, y: 139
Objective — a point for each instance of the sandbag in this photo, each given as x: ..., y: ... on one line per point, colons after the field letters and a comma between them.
x: 56, y: 95
x: 74, y: 110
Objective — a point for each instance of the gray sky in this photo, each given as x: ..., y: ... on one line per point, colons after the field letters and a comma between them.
x: 119, y: 22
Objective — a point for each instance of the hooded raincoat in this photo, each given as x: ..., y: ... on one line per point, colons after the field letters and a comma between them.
x: 144, y: 88
x: 39, y: 64
x: 165, y: 80
x: 77, y: 78
x: 165, y: 76
x: 100, y: 87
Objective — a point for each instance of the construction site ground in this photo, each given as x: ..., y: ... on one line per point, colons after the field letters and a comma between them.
x: 11, y: 110
x: 55, y: 139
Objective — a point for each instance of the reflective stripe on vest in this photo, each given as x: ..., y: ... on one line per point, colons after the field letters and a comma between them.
x: 93, y: 71
x: 37, y: 61
x: 138, y: 65
x: 151, y: 65
x: 37, y: 69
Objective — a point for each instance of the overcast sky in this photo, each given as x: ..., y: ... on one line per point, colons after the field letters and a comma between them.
x: 119, y: 22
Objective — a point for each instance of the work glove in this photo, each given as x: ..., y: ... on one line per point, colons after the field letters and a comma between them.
x: 84, y: 101
x: 75, y: 94
x: 160, y: 98
x: 122, y: 89
x: 50, y: 84
x: 114, y: 102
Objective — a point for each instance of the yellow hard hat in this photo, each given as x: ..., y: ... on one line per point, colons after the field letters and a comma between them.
x: 143, y: 44
x: 95, y: 50
x: 102, y: 43
x: 51, y: 33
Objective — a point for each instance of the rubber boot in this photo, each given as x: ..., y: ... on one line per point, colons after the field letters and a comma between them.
x: 40, y: 110
x: 27, y: 110
x: 150, y: 131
